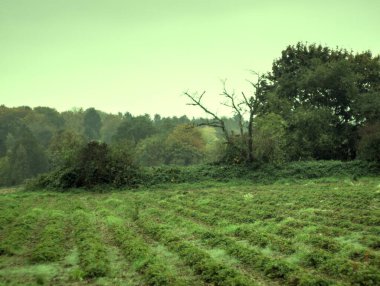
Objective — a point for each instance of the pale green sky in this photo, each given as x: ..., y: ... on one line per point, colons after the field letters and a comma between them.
x: 139, y: 56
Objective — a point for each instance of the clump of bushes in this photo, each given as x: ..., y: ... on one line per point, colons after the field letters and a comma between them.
x: 94, y: 164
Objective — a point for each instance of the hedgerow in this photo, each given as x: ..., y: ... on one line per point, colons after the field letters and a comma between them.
x: 120, y: 171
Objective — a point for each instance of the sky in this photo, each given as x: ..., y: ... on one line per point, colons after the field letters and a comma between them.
x: 140, y: 56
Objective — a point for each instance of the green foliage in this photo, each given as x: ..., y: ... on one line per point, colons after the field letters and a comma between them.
x: 92, y: 124
x: 95, y: 164
x: 269, y: 139
x: 123, y: 170
x: 367, y: 107
x: 369, y: 144
x: 184, y: 146
x: 267, y: 173
x: 336, y: 89
x: 311, y: 134
x: 110, y: 123
x: 135, y: 128
x: 64, y: 148
x: 151, y: 151
x: 25, y: 157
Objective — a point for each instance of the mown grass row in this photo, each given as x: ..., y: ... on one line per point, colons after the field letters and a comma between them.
x: 18, y: 236
x: 242, y: 231
x: 203, y: 264
x: 307, y: 233
x: 270, y: 266
x: 321, y: 256
x: 284, y: 239
x: 154, y: 271
x: 52, y: 240
x: 93, y: 258
x: 220, y: 208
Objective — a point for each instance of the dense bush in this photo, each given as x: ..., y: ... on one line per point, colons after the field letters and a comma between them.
x: 96, y: 164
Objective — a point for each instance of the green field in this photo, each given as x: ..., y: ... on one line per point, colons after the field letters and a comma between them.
x: 308, y: 232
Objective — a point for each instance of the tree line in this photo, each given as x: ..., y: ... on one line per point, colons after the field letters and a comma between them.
x: 41, y: 139
x: 316, y: 103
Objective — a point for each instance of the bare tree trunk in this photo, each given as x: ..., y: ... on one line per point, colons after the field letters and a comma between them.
x: 239, y: 107
x: 250, y: 138
x: 216, y: 121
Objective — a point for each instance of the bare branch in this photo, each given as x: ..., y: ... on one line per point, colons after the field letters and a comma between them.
x: 217, y: 122
x: 197, y: 102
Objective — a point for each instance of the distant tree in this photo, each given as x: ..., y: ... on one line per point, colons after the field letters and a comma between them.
x: 9, y: 119
x: 43, y: 122
x: 74, y: 120
x: 25, y: 156
x: 184, y: 146
x: 51, y: 115
x: 151, y: 151
x: 213, y: 144
x: 110, y: 124
x: 92, y: 124
x: 164, y: 125
x: 135, y: 128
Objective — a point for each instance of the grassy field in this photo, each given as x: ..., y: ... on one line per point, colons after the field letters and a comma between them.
x: 308, y: 232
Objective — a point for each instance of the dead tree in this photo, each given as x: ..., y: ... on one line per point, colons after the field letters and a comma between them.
x: 241, y: 106
x: 216, y: 121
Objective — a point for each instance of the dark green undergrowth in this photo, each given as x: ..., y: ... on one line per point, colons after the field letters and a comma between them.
x: 223, y: 173
x: 261, y: 174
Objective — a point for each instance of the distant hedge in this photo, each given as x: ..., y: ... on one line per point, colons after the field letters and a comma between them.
x: 121, y: 174
x: 262, y: 174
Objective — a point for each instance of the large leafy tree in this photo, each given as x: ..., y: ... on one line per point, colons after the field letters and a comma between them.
x: 314, y: 78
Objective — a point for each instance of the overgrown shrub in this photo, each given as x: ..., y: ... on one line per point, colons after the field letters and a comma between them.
x: 96, y: 164
x: 116, y: 168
